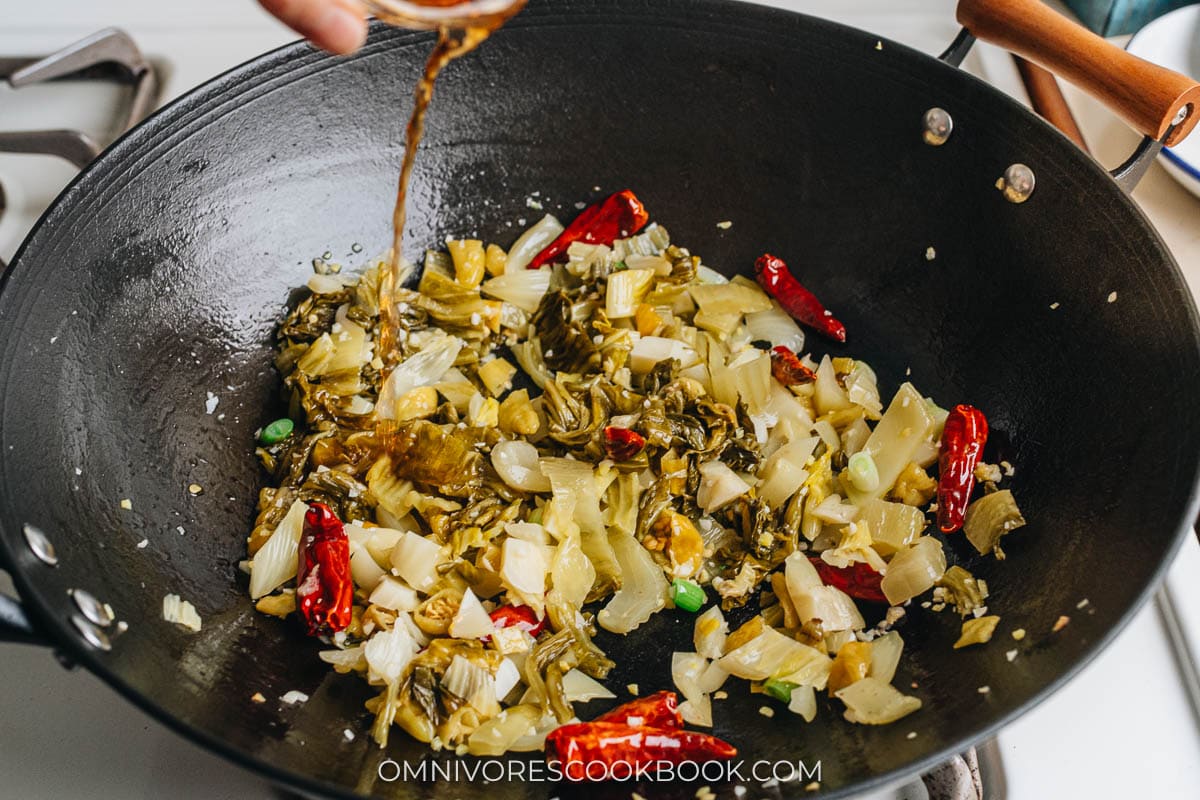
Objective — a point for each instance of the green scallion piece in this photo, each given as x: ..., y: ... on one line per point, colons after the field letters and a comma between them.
x: 863, y: 472
x: 277, y: 431
x: 780, y: 690
x: 687, y: 595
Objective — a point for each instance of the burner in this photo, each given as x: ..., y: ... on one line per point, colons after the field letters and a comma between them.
x: 86, y: 59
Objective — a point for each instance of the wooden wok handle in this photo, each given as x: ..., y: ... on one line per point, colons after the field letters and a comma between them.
x: 1147, y: 96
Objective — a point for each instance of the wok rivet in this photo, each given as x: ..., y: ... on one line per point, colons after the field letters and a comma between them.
x: 1182, y: 115
x: 1017, y: 184
x: 40, y: 544
x: 91, y: 608
x: 938, y: 126
x: 91, y: 633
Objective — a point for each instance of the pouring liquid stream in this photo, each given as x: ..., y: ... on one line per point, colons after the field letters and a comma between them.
x: 456, y: 38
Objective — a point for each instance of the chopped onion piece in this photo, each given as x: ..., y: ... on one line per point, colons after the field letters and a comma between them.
x: 829, y: 394
x: 895, y: 440
x: 344, y: 661
x: 710, y: 633
x: 989, y: 518
x: 697, y: 712
x: 498, y: 735
x: 885, y: 656
x: 579, y: 688
x: 894, y: 526
x: 276, y: 561
x: 752, y: 371
x: 870, y: 701
x: 914, y: 570
x: 531, y: 243
x: 523, y: 572
x: 363, y: 569
x: 714, y: 678
x: 719, y: 486
x: 467, y: 681
x: 800, y: 575
x: 832, y: 606
x: 731, y: 298
x: 772, y: 654
x: 834, y: 511
x: 775, y: 326
x: 394, y: 595
x: 855, y: 435
x: 649, y: 350
x: 415, y: 558
x: 388, y: 653
x: 625, y: 291
x: 471, y: 621
x: 687, y: 669
x: 571, y: 573
x: 804, y: 703
x: 508, y: 675
x: 424, y: 368
x: 862, y: 389
x: 181, y: 612
x: 643, y: 589
x: 706, y: 274
x: 517, y: 463
x: 783, y: 473
x: 523, y: 288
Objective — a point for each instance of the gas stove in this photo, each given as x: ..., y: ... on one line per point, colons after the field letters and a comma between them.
x: 79, y: 74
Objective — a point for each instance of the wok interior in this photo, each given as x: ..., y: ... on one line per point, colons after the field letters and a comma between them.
x: 165, y: 269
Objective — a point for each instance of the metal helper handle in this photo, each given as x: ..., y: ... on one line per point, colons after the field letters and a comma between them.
x: 15, y: 625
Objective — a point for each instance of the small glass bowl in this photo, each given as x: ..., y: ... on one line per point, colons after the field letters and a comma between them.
x: 433, y: 14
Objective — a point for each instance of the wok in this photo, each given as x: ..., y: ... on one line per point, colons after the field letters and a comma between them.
x: 159, y: 275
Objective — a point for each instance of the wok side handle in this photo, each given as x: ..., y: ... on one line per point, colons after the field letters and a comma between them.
x: 15, y: 625
x: 1158, y: 102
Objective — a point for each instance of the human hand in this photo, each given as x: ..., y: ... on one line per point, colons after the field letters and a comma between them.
x: 338, y: 26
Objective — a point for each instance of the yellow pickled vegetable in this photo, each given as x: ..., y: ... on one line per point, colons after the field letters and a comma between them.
x: 683, y: 542
x: 496, y: 260
x: 853, y: 663
x: 517, y: 414
x: 977, y: 631
x: 497, y: 376
x: 749, y: 630
x: 417, y: 404
x: 470, y: 261
x: 647, y: 319
x: 914, y: 487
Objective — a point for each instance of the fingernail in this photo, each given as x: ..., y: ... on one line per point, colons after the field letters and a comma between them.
x: 342, y: 31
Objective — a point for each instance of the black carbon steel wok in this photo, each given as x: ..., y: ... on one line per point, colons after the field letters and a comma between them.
x: 160, y: 274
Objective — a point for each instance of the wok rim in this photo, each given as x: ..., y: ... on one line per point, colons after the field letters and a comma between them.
x: 200, y: 105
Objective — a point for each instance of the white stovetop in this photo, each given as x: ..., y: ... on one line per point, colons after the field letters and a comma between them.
x: 1123, y: 728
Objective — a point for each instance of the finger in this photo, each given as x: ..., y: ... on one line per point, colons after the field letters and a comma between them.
x: 334, y: 25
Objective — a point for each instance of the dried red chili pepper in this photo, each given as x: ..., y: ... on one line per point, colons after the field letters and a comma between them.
x: 788, y: 369
x: 522, y: 617
x: 963, y: 438
x: 622, y: 444
x: 779, y: 282
x: 324, y: 587
x: 857, y: 580
x: 617, y: 217
x: 659, y: 710
x: 621, y: 749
